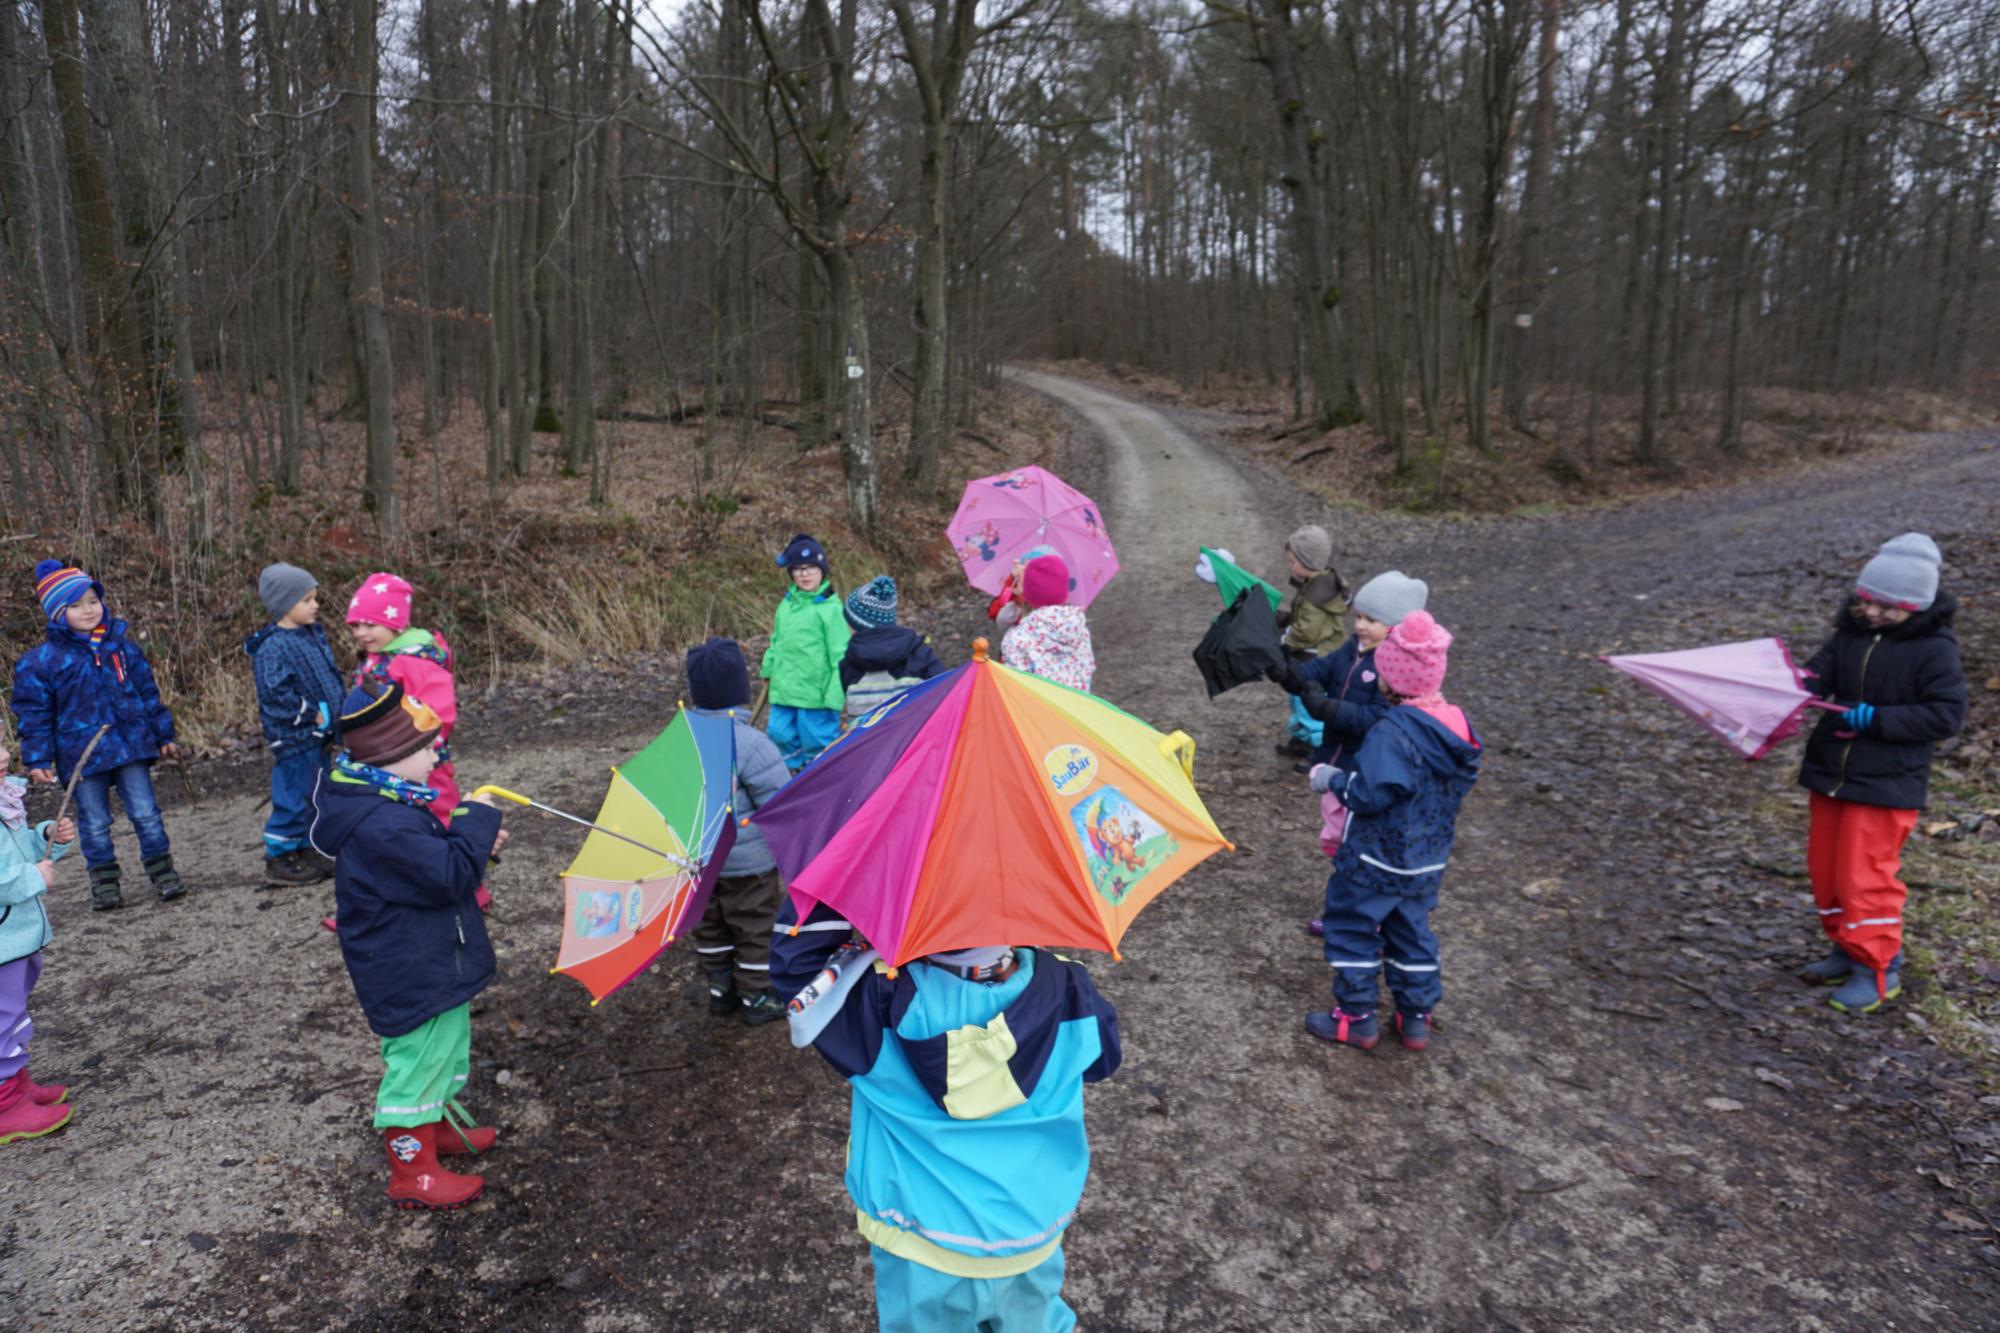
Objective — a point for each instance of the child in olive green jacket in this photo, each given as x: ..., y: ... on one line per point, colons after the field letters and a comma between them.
x: 808, y: 638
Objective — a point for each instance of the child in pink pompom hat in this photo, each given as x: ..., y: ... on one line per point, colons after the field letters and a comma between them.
x: 393, y: 648
x: 1051, y: 638
x: 1403, y: 795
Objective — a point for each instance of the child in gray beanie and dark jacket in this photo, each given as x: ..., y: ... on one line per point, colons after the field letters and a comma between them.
x: 299, y: 694
x: 1893, y: 661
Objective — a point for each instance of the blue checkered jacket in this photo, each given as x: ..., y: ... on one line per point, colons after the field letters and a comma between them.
x: 295, y: 675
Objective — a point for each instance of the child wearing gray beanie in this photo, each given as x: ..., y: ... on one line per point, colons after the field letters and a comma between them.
x: 1893, y: 667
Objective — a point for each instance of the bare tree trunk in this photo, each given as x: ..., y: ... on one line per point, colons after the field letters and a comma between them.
x: 502, y: 387
x: 937, y: 62
x: 117, y: 365
x: 358, y: 118
x: 1531, y: 266
x: 1275, y: 42
x: 587, y: 182
x: 1659, y: 297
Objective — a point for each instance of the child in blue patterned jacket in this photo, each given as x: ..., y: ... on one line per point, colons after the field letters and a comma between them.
x: 299, y: 693
x: 89, y: 682
x: 966, y: 1068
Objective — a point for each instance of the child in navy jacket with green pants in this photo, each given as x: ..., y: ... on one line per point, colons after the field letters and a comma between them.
x: 1403, y: 796
x: 967, y: 1154
x: 411, y: 931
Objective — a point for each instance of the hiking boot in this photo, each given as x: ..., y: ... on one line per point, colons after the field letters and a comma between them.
x: 22, y: 1117
x: 166, y: 880
x: 1293, y: 748
x: 451, y: 1141
x: 1413, y: 1030
x: 105, y: 895
x: 1303, y: 766
x: 415, y: 1178
x: 760, y: 1009
x: 1861, y: 994
x: 1828, y: 971
x: 316, y: 857
x: 722, y: 1000
x: 1344, y: 1029
x: 290, y: 869
x: 1315, y: 928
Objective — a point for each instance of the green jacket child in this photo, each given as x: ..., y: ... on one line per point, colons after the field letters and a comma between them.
x: 808, y: 638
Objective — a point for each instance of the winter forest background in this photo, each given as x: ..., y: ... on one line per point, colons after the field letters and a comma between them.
x: 386, y: 256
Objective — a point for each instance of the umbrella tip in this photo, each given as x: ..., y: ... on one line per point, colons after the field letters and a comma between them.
x: 1230, y: 845
x: 979, y: 650
x: 795, y: 931
x: 892, y: 974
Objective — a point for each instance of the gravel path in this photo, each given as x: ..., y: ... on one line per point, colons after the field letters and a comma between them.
x: 1630, y: 1117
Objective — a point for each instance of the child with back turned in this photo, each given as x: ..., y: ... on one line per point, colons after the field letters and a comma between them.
x: 966, y: 1152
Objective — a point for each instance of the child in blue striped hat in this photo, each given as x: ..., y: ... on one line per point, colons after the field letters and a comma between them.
x: 85, y: 677
x: 883, y: 659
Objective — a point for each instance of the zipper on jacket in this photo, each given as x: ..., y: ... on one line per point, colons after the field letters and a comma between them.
x: 1862, y: 686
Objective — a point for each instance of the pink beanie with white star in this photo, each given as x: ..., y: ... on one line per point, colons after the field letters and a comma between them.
x: 382, y: 599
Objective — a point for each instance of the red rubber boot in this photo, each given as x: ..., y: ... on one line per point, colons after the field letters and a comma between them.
x: 453, y: 1141
x: 415, y: 1178
x: 43, y: 1094
x: 21, y: 1117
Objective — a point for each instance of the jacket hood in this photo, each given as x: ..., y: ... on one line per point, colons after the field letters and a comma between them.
x: 1064, y: 627
x: 1324, y: 587
x: 1936, y: 619
x: 256, y: 641
x: 883, y: 648
x: 342, y: 803
x: 1443, y: 752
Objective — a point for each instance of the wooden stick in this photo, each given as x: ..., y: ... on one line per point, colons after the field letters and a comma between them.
x: 77, y: 772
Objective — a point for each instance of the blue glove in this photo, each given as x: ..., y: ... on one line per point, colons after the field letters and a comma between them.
x: 1861, y: 717
x: 1323, y: 777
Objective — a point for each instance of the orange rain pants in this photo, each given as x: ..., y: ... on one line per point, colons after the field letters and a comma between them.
x: 1853, y: 854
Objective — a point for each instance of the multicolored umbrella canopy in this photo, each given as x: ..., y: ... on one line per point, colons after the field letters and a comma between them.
x: 1231, y: 579
x: 989, y: 806
x: 645, y: 872
x: 1750, y: 694
x: 1016, y: 516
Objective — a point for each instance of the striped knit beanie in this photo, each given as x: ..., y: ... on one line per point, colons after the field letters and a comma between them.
x: 873, y: 605
x: 59, y: 586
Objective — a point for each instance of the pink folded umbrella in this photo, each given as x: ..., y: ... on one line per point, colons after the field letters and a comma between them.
x: 1751, y: 694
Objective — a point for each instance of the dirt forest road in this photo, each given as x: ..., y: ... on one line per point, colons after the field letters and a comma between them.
x: 1618, y: 1126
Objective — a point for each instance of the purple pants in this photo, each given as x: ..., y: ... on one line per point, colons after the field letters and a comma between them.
x: 16, y: 1028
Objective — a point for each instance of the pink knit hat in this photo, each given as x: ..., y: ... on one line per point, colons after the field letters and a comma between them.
x: 1045, y: 581
x: 382, y: 599
x: 1412, y: 659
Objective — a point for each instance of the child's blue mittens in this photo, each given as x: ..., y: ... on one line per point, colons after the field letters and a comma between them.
x: 1323, y: 777
x: 1861, y: 717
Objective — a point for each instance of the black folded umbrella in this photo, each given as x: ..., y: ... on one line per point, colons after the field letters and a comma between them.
x: 1241, y: 645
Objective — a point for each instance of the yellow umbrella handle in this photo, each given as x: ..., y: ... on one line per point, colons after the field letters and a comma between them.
x: 503, y: 794
x: 1179, y: 747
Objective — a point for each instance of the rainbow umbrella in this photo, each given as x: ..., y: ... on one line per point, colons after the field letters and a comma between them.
x: 1016, y: 516
x: 989, y: 806
x: 644, y: 874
